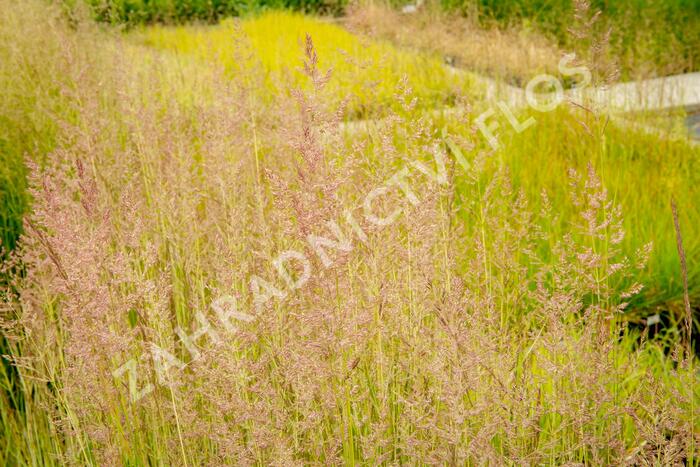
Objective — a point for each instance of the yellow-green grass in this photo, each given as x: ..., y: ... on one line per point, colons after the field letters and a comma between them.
x: 643, y: 171
x: 367, y: 73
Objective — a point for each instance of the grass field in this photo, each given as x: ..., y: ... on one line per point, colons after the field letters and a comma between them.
x: 365, y: 73
x: 175, y: 290
x: 644, y: 37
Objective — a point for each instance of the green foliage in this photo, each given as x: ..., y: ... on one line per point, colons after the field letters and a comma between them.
x: 12, y: 198
x: 180, y: 11
x: 664, y: 32
x: 641, y: 171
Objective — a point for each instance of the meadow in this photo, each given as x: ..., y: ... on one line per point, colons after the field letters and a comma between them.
x: 282, y: 239
x: 646, y: 37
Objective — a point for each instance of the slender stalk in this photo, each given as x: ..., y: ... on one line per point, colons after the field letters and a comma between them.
x: 688, y: 322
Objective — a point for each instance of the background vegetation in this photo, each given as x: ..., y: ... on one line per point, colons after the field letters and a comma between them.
x: 645, y: 36
x: 366, y: 73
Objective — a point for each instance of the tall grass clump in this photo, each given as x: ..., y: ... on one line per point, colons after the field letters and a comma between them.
x: 31, y: 72
x: 40, y: 62
x: 450, y: 319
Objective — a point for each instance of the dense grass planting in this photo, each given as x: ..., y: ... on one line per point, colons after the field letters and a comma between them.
x: 365, y: 73
x: 220, y: 265
x: 537, y: 159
